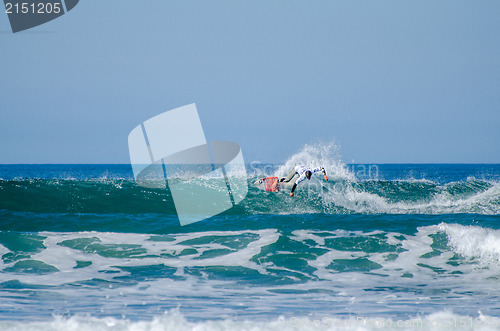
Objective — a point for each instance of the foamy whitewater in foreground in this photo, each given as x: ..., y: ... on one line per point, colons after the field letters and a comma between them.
x: 377, y: 247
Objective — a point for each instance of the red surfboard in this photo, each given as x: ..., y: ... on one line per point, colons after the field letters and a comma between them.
x: 270, y: 184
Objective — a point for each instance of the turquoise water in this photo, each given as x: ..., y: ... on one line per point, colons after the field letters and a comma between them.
x: 84, y: 245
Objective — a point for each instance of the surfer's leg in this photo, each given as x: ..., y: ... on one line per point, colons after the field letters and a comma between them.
x: 289, y: 177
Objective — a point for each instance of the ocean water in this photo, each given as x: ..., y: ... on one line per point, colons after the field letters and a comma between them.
x: 83, y: 247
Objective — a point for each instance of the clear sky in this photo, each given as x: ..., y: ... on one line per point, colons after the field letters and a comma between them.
x: 399, y: 81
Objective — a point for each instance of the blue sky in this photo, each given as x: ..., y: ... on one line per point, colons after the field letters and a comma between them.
x: 395, y: 81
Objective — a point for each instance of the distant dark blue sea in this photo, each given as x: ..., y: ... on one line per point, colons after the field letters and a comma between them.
x: 380, y: 246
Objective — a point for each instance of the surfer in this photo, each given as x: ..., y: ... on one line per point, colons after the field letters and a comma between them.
x: 303, y: 172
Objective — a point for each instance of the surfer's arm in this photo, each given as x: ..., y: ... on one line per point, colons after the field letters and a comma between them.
x: 319, y: 169
x: 322, y: 170
x: 293, y: 189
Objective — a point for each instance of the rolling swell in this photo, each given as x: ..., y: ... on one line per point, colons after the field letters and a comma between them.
x: 338, y: 196
x: 83, y: 196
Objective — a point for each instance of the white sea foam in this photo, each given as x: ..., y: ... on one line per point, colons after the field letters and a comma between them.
x: 414, y: 275
x: 474, y: 243
x: 413, y: 260
x: 415, y: 255
x: 143, y: 252
x: 356, y: 200
x: 175, y: 321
